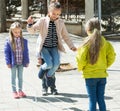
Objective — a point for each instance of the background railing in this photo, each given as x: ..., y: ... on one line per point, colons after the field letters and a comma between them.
x: 72, y: 11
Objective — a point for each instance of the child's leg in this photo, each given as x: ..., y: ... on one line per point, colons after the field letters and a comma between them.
x: 13, y: 81
x: 53, y: 86
x: 55, y: 58
x: 52, y: 61
x: 20, y: 81
x: 44, y: 87
x: 20, y: 76
x: 100, y: 94
x: 41, y: 73
x: 91, y: 90
x: 51, y: 83
x: 13, y: 78
x: 47, y: 62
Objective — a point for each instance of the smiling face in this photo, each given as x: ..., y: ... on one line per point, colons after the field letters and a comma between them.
x: 54, y: 14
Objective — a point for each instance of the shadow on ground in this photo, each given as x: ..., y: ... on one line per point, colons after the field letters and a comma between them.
x: 47, y: 99
x: 62, y: 97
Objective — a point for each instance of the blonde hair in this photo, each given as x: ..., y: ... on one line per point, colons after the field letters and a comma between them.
x: 11, y: 36
x: 93, y: 40
x: 53, y: 1
x: 54, y: 5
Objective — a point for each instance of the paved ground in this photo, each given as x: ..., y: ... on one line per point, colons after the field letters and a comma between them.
x: 72, y: 93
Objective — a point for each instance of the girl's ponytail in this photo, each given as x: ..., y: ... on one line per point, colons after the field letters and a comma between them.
x: 94, y: 39
x: 95, y: 43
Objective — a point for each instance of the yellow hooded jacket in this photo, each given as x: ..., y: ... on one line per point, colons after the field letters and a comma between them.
x: 105, y: 59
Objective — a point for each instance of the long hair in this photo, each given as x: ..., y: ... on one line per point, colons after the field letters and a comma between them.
x: 11, y: 36
x: 93, y: 40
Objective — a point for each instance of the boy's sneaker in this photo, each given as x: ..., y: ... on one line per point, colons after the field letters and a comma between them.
x: 15, y: 94
x: 21, y: 94
x: 44, y: 92
x: 54, y: 92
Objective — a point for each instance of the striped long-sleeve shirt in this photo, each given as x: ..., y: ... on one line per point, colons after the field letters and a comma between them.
x: 51, y: 39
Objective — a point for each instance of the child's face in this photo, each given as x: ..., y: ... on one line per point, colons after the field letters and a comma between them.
x: 16, y: 32
x: 54, y: 14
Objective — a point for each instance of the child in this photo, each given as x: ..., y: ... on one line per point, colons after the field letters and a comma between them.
x: 52, y: 30
x: 16, y: 57
x: 93, y: 58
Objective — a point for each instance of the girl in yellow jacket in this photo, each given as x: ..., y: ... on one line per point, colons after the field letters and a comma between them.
x: 93, y: 58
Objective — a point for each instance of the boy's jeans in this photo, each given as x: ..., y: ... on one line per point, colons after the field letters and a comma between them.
x: 50, y: 83
x: 17, y: 70
x: 96, y: 89
x: 52, y: 60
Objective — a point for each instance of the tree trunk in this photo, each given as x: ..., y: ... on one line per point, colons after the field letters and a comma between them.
x: 2, y: 16
x: 25, y: 9
x: 46, y: 5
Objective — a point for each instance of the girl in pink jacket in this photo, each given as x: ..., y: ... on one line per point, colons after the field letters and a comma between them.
x: 51, y: 32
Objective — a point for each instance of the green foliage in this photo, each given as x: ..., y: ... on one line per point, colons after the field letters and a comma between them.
x: 110, y: 15
x: 11, y: 7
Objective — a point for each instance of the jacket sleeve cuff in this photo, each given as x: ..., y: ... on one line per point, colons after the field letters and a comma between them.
x: 29, y: 25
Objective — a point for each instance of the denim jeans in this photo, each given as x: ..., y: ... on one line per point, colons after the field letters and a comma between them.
x: 96, y: 89
x: 17, y: 70
x: 51, y: 60
x: 48, y: 82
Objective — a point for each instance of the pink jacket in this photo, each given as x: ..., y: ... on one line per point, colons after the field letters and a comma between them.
x: 42, y: 26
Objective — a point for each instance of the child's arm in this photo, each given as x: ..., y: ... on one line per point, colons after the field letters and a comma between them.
x: 30, y: 20
x: 66, y: 38
x: 110, y: 54
x: 81, y: 58
x: 9, y: 65
x: 26, y: 59
x: 31, y: 27
x: 7, y: 54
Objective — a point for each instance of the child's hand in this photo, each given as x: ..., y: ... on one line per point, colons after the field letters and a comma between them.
x: 39, y: 61
x: 74, y: 49
x: 30, y: 20
x: 9, y: 65
x: 26, y: 65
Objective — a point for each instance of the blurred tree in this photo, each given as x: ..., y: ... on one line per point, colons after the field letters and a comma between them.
x: 110, y: 15
x: 25, y: 9
x: 11, y: 7
x: 2, y: 16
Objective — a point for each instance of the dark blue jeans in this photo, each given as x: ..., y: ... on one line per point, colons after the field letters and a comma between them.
x: 96, y: 89
x: 49, y: 82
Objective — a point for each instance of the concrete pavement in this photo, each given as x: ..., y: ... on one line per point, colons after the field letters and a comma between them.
x: 72, y: 92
